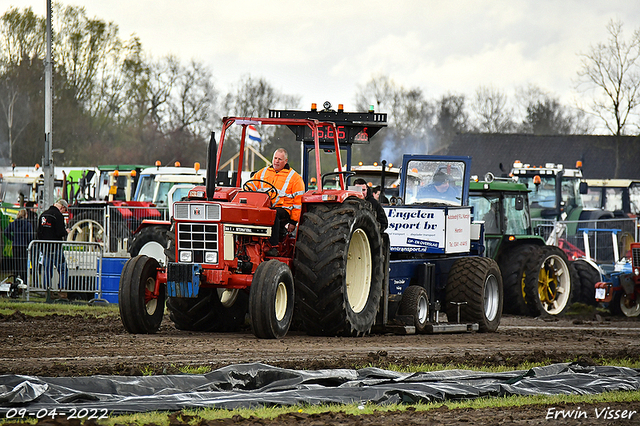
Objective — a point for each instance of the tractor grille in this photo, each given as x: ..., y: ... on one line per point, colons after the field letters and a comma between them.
x: 196, y: 211
x: 635, y: 257
x: 197, y: 238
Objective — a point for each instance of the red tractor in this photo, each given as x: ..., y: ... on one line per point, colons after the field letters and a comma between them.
x: 218, y: 270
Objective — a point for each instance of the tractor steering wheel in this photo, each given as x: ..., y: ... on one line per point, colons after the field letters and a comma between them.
x: 272, y: 191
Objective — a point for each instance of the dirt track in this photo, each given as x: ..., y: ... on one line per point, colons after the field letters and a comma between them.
x: 72, y: 346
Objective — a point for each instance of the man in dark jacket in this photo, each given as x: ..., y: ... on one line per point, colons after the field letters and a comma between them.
x: 51, y: 228
x: 377, y: 207
x: 20, y: 232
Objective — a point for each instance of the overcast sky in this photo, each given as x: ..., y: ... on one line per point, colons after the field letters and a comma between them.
x: 326, y: 50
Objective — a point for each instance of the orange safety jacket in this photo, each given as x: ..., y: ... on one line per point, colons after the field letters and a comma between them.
x: 290, y: 188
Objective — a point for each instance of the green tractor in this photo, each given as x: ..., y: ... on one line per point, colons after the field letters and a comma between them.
x: 536, y: 277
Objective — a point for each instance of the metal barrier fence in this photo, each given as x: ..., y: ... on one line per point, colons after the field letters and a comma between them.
x: 109, y: 227
x: 70, y: 267
x: 569, y: 236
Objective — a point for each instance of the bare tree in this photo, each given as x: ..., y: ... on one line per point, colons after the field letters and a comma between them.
x: 543, y: 114
x: 22, y: 35
x: 490, y: 108
x: 611, y: 71
x: 451, y: 118
x: 254, y: 97
x: 15, y: 111
x: 409, y: 114
x: 21, y: 43
x: 380, y: 91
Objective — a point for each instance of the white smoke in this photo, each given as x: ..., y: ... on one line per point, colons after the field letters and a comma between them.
x: 394, y: 147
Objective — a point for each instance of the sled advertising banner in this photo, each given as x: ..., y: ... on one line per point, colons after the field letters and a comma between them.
x: 425, y: 230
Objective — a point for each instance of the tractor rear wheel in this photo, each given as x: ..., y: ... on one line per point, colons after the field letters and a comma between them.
x: 584, y: 290
x: 415, y: 302
x: 87, y: 227
x: 476, y: 284
x: 150, y: 241
x: 207, y: 313
x: 514, y: 264
x: 548, y: 282
x: 271, y: 300
x: 338, y: 266
x: 141, y: 308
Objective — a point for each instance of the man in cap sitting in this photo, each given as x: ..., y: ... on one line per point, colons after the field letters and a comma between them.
x: 440, y: 187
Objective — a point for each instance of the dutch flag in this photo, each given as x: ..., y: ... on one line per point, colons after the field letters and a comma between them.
x: 253, y: 134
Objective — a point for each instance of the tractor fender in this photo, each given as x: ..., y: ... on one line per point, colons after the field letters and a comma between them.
x: 146, y: 223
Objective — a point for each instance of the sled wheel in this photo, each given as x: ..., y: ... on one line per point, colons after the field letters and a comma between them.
x: 415, y: 302
x: 476, y: 281
x: 271, y: 300
x: 141, y: 307
x: 548, y: 282
x: 150, y: 241
x: 338, y: 265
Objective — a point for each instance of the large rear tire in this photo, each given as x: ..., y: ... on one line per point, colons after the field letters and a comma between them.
x: 141, y: 308
x: 151, y: 241
x: 514, y: 264
x: 548, y: 283
x: 207, y: 313
x: 584, y: 290
x: 477, y: 283
x: 271, y: 300
x: 338, y: 266
x: 415, y: 302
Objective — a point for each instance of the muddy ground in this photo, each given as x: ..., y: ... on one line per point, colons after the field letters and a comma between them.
x: 82, y: 345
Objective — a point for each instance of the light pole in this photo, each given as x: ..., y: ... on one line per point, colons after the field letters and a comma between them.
x: 47, y: 164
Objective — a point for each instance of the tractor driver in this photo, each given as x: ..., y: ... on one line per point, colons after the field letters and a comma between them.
x: 288, y: 202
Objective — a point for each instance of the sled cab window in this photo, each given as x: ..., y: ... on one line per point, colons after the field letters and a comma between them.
x: 435, y: 182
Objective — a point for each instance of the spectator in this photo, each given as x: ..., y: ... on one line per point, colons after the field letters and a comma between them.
x: 51, y: 227
x: 376, y: 194
x: 377, y: 207
x: 20, y: 233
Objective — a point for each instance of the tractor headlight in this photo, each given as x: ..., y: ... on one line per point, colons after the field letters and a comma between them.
x: 211, y: 257
x: 185, y: 256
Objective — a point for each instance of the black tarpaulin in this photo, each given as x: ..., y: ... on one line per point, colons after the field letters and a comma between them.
x: 252, y: 385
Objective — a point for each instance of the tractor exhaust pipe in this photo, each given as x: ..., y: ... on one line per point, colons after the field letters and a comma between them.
x: 211, y: 167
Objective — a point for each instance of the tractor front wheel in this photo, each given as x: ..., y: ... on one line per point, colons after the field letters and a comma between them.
x: 141, y: 305
x: 271, y: 300
x: 623, y: 303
